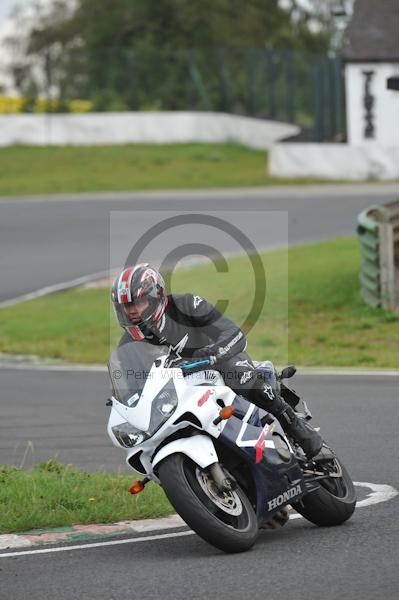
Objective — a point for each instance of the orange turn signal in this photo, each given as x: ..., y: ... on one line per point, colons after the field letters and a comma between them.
x: 226, y: 412
x: 136, y: 487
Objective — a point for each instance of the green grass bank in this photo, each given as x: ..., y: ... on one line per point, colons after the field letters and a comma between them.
x: 313, y: 313
x: 74, y: 169
x: 56, y: 495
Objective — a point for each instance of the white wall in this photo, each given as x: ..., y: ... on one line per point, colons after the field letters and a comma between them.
x: 335, y: 161
x: 141, y: 127
x: 386, y: 103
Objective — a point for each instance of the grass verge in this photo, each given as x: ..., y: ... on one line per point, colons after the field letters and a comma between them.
x: 313, y: 314
x: 52, y: 170
x: 56, y: 495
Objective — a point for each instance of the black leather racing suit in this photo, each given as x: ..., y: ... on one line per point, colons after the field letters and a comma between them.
x: 191, y: 323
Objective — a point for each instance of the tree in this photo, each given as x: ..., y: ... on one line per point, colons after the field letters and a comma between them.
x: 162, y: 53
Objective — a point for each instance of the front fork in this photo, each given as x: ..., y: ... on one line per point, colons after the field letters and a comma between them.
x: 223, y: 483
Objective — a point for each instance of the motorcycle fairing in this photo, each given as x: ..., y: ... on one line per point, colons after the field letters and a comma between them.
x: 199, y: 448
x: 254, y: 442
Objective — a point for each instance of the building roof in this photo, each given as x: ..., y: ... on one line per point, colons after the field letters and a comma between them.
x: 373, y: 32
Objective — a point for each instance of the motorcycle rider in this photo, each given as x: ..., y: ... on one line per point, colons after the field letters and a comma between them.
x: 194, y: 328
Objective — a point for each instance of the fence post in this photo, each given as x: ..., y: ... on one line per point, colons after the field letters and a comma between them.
x: 224, y: 103
x: 338, y: 95
x: 271, y: 85
x: 251, y: 62
x: 318, y: 102
x: 289, y: 90
x: 132, y: 99
x: 332, y: 124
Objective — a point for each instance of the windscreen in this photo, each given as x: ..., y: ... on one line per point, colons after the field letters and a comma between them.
x: 129, y: 366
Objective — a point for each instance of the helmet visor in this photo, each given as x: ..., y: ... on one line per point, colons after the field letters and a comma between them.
x: 136, y: 311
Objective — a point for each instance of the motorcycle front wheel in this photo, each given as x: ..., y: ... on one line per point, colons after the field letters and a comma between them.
x: 334, y: 501
x: 225, y: 520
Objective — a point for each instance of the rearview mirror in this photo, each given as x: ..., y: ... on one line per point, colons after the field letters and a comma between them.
x: 288, y: 372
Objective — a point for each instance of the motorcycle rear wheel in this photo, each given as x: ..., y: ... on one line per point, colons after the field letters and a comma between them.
x: 226, y: 521
x: 333, y: 502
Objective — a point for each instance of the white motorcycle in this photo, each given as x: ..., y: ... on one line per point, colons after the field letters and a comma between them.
x: 226, y: 466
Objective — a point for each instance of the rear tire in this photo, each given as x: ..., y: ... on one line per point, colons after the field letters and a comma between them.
x: 227, y: 522
x: 332, y: 503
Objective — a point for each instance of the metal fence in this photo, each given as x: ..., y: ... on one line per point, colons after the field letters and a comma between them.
x: 297, y: 88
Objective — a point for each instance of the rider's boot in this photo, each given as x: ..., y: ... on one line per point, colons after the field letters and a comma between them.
x: 306, y: 437
x: 304, y: 434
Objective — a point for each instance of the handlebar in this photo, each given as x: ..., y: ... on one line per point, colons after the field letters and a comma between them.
x: 194, y: 365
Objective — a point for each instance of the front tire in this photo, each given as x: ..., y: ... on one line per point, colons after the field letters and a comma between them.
x: 333, y: 502
x: 227, y: 521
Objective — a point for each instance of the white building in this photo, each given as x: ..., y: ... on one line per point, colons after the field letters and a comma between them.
x: 372, y: 57
x: 371, y: 53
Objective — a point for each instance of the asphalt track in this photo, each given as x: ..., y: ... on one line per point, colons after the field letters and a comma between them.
x: 64, y: 413
x: 47, y: 241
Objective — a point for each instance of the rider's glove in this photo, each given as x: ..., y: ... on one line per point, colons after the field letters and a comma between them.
x: 206, y: 352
